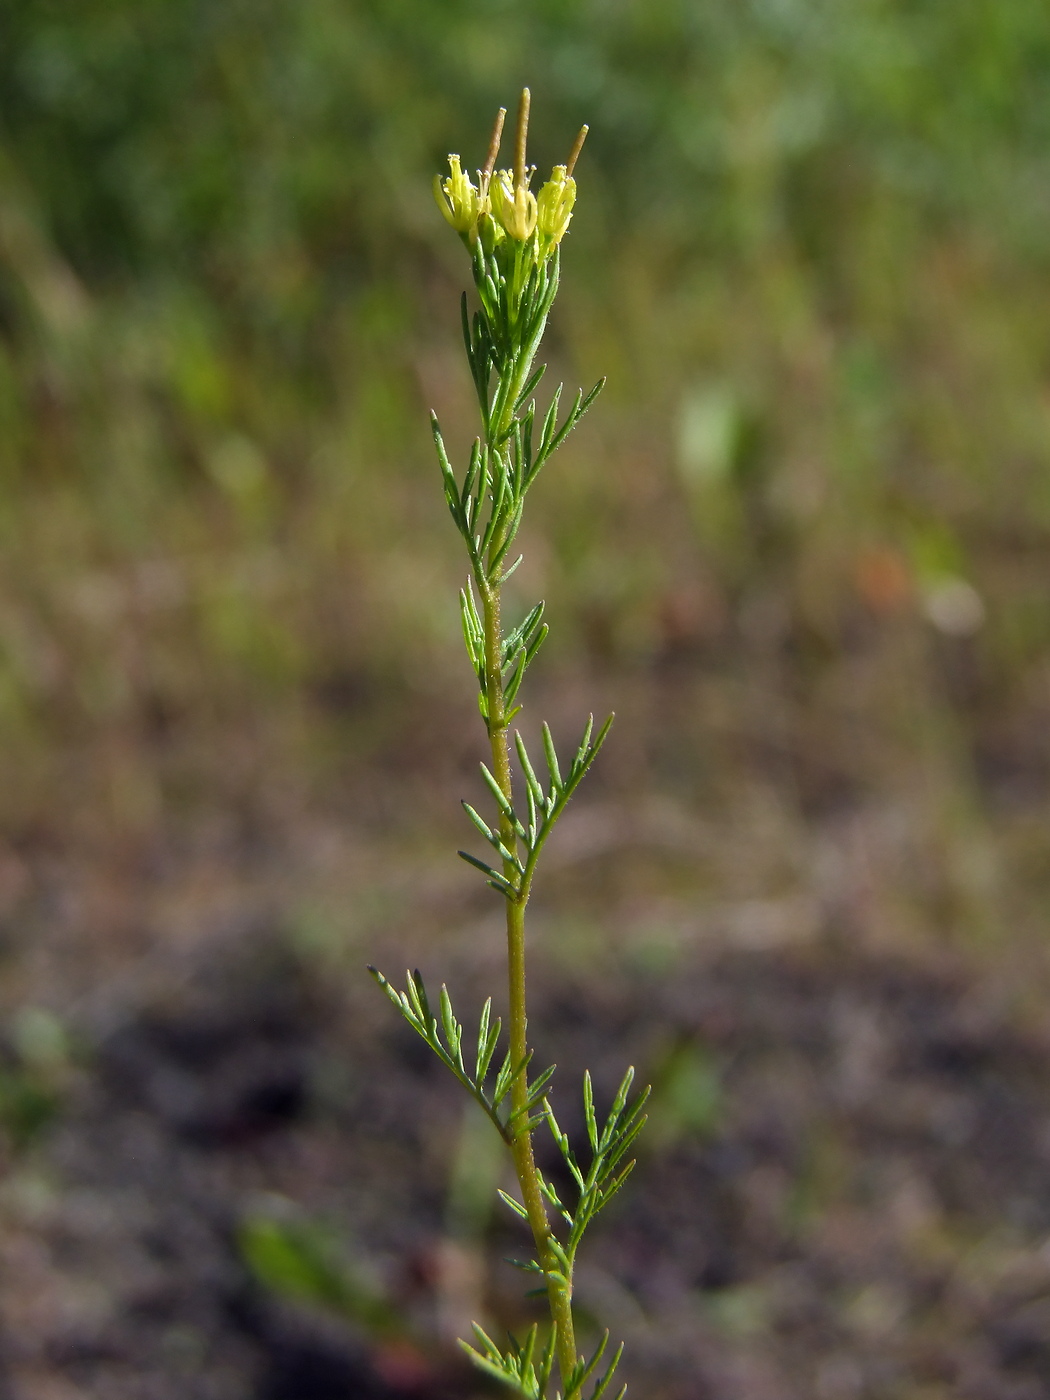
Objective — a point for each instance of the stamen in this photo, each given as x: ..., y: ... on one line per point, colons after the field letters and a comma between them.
x: 574, y: 154
x: 520, y: 139
x: 497, y: 135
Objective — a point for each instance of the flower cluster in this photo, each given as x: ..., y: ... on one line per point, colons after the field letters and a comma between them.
x: 501, y: 207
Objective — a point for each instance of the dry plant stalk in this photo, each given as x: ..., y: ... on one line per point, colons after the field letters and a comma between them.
x: 513, y: 238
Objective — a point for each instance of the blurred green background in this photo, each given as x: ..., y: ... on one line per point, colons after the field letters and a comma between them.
x: 800, y: 544
x: 811, y: 256
x: 803, y: 537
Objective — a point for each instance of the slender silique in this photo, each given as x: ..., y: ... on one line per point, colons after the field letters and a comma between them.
x: 513, y: 238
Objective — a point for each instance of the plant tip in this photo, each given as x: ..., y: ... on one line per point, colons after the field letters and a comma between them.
x: 577, y: 147
x: 521, y: 138
x: 493, y: 151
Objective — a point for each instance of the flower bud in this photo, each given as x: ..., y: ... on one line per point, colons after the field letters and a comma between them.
x: 514, y: 205
x: 554, y: 205
x: 457, y: 199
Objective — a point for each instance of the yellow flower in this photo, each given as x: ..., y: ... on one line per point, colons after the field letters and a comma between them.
x: 514, y: 205
x: 458, y: 199
x: 554, y: 205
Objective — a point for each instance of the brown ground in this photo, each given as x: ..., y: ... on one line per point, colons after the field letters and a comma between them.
x: 844, y: 1189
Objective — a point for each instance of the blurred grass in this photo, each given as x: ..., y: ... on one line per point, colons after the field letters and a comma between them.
x: 803, y: 537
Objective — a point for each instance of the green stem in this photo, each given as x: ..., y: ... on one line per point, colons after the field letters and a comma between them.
x: 559, y: 1295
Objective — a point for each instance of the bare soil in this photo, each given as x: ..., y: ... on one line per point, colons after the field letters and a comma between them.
x: 844, y: 1190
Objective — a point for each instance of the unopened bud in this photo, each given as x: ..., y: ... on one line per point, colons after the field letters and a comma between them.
x: 554, y: 205
x: 514, y: 205
x: 457, y: 198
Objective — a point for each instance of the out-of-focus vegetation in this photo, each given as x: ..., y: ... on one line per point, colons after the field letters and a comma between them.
x: 811, y: 248
x: 804, y: 538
